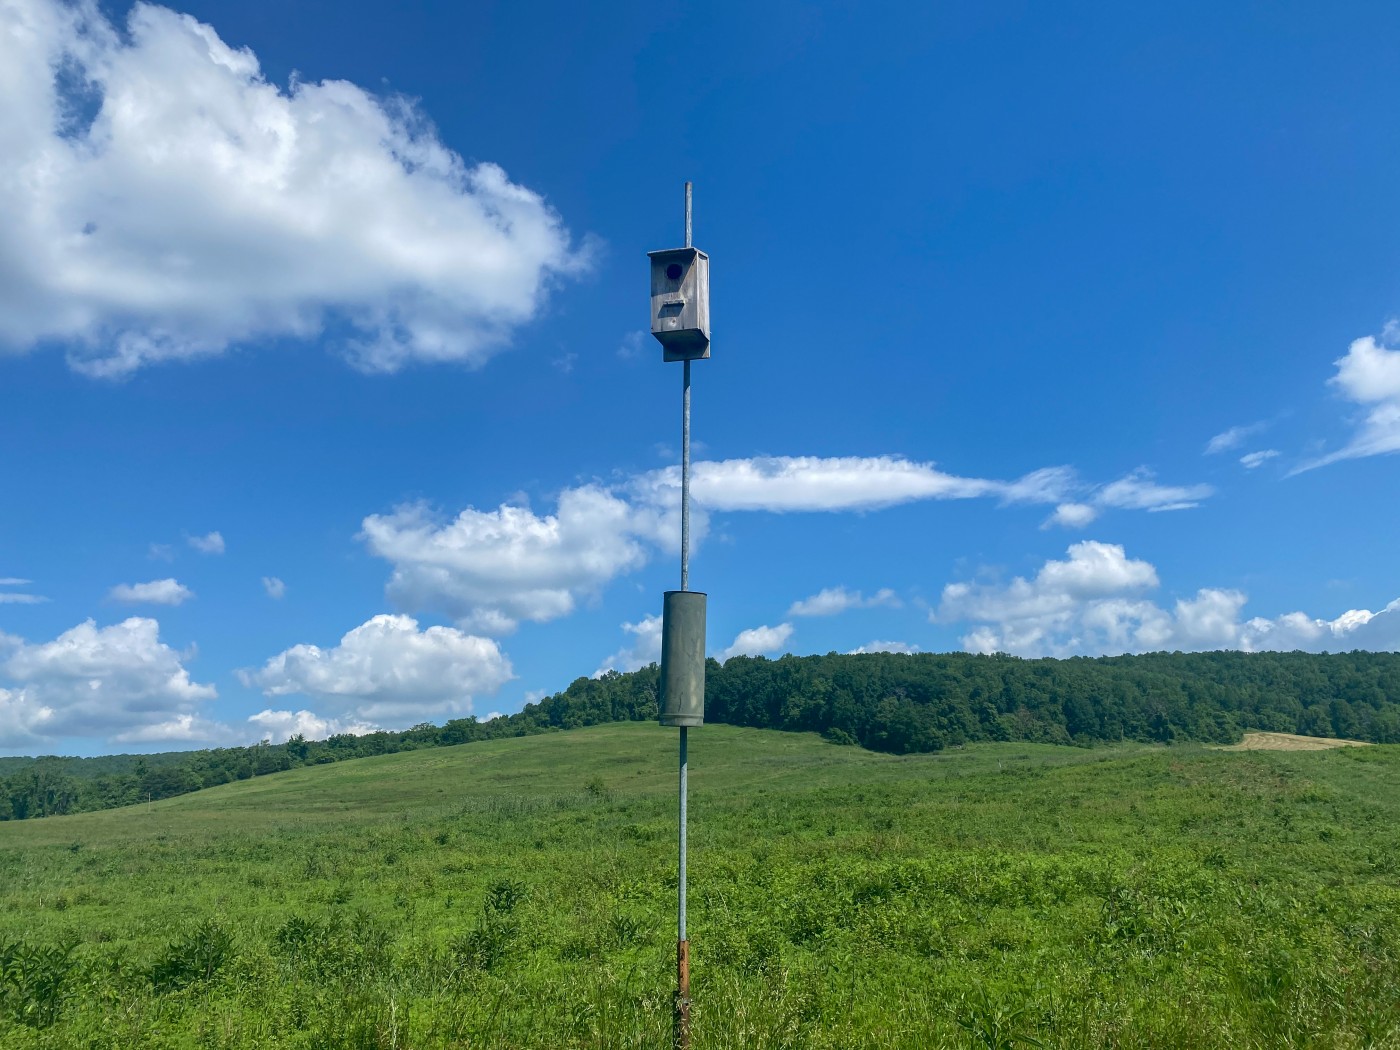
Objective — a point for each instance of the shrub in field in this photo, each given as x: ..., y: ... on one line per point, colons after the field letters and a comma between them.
x: 35, y: 981
x: 485, y: 945
x: 334, y: 946
x: 197, y: 956
x: 624, y: 929
x: 992, y: 1025
x: 302, y: 940
x: 502, y: 897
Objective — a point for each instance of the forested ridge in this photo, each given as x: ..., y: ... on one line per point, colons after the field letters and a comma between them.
x: 889, y: 702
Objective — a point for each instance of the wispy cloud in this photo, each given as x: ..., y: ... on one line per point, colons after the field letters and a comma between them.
x: 1369, y: 377
x: 808, y: 483
x: 1138, y: 490
x: 1234, y: 437
x: 18, y: 597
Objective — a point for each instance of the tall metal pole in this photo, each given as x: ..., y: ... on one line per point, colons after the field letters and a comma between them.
x: 685, y: 478
x: 683, y: 945
x: 685, y: 458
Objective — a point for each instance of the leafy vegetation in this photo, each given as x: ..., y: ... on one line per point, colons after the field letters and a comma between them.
x: 520, y: 893
x: 884, y: 701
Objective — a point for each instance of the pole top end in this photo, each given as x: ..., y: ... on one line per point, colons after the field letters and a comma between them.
x: 687, y: 214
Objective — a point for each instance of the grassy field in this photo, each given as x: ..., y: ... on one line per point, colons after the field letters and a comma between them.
x: 1290, y: 742
x: 521, y: 893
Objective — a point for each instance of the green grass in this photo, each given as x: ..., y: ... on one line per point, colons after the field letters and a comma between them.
x: 521, y: 893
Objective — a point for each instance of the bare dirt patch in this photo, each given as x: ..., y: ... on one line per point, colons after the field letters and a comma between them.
x: 1290, y: 742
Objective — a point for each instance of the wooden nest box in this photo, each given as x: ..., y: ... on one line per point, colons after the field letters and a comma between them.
x: 680, y: 302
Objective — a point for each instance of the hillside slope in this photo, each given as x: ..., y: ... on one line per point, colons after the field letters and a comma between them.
x: 891, y: 702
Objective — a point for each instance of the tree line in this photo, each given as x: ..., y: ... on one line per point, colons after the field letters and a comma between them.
x: 892, y: 702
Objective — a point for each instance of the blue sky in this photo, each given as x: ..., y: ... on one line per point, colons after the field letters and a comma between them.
x: 328, y: 400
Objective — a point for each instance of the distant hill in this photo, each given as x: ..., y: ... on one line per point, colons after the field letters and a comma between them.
x: 924, y: 702
x: 891, y: 702
x: 97, y: 766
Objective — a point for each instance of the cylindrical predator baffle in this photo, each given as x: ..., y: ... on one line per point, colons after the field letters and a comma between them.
x: 683, y: 658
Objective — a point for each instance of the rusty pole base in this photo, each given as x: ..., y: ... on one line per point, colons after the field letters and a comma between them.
x: 682, y: 995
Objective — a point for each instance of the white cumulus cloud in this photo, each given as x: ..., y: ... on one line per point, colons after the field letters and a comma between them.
x: 280, y: 726
x: 833, y: 600
x: 1353, y: 629
x: 387, y: 670
x: 644, y: 649
x: 1095, y: 603
x: 492, y: 569
x: 1031, y: 611
x: 274, y: 587
x: 210, y: 543
x: 1072, y: 515
x: 164, y: 200
x: 111, y: 683
x: 184, y: 730
x: 885, y: 647
x: 156, y: 592
x: 757, y: 641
